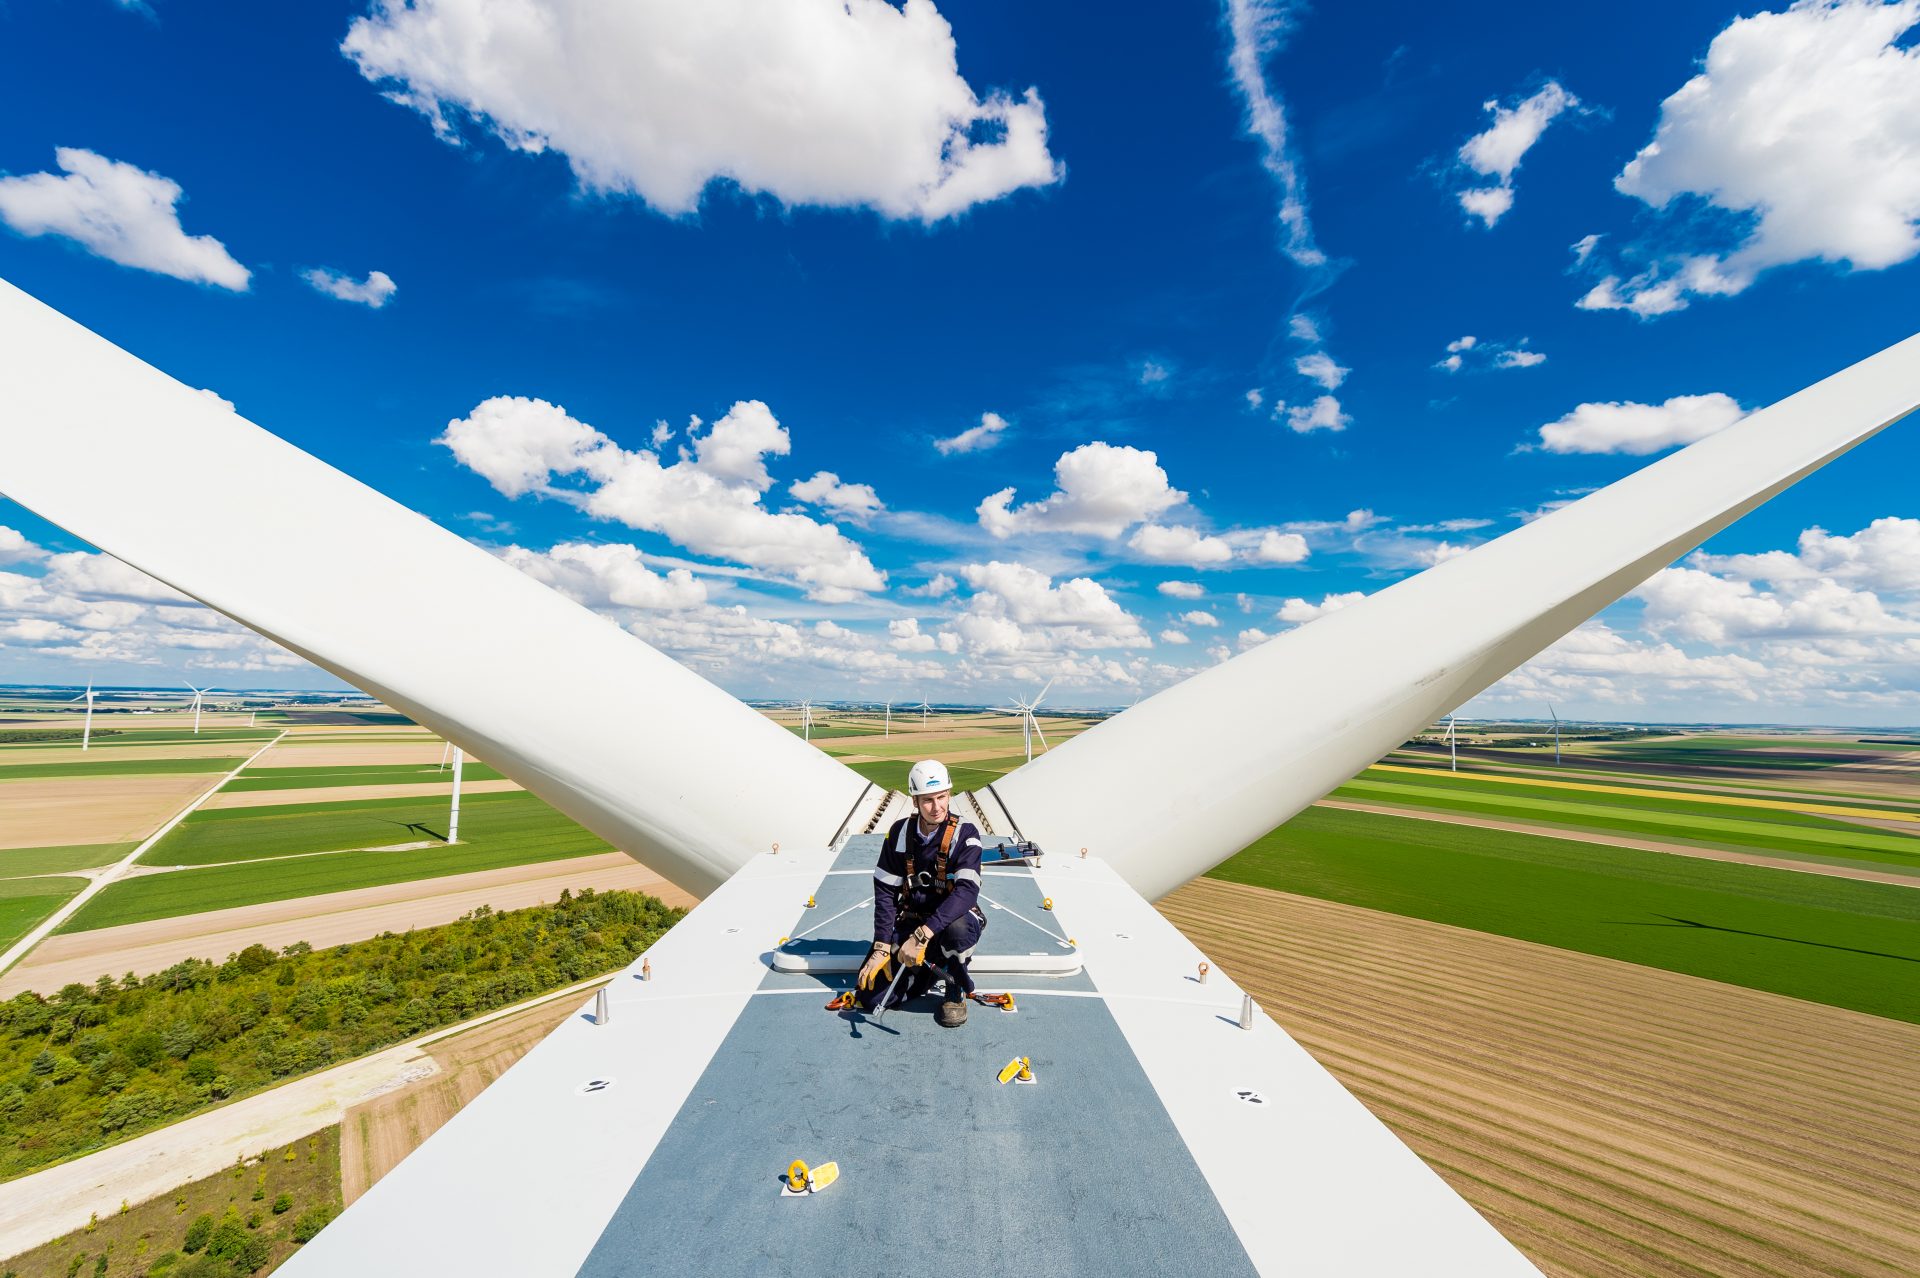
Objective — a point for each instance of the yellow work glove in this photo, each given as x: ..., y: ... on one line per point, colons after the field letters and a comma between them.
x: 876, y: 965
x: 914, y: 951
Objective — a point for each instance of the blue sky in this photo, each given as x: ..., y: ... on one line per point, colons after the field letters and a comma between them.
x: 1210, y: 264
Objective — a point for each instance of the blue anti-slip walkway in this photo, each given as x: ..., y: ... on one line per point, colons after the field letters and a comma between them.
x: 1080, y: 1173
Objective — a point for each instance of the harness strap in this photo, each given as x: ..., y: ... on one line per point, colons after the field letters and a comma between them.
x: 942, y: 881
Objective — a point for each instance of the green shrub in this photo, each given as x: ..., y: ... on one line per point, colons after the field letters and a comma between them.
x: 312, y: 1221
x: 197, y: 1233
x: 282, y: 1203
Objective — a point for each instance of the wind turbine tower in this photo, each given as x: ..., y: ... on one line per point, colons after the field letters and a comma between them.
x: 453, y: 817
x: 86, y: 729
x: 887, y: 729
x: 806, y: 720
x: 1029, y: 726
x: 923, y: 708
x: 1453, y: 746
x: 199, y: 696
x: 1556, y: 734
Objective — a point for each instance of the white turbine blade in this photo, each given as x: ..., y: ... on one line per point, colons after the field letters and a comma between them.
x: 1211, y: 764
x: 1038, y: 733
x: 1035, y: 704
x: 538, y: 686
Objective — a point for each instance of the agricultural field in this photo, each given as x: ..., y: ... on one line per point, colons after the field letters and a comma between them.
x: 1770, y: 873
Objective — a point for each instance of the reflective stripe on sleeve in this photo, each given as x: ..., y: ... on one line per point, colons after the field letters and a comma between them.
x: 971, y: 843
x: 966, y: 874
x: 891, y: 880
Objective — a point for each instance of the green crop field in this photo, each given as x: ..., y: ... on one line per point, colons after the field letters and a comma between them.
x: 363, y: 774
x: 907, y: 745
x: 1830, y: 940
x: 115, y: 766
x: 290, y: 829
x: 974, y: 776
x: 77, y: 856
x: 823, y: 731
x: 493, y: 836
x: 1756, y: 828
x: 24, y: 902
x: 1621, y: 791
x: 123, y: 738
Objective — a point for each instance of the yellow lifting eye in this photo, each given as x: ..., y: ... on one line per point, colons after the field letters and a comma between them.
x: 1046, y: 903
x: 797, y: 1177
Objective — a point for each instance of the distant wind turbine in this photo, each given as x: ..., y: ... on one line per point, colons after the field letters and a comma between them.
x: 923, y: 707
x: 199, y: 695
x: 806, y: 720
x: 453, y: 817
x: 1453, y: 745
x: 1030, y: 726
x: 1556, y: 733
x: 86, y: 730
x: 887, y: 730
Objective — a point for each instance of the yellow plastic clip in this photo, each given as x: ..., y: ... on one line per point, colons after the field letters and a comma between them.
x: 1012, y: 1069
x: 822, y: 1176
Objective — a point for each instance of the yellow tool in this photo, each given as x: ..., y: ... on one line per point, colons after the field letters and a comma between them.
x: 1014, y: 1068
x: 802, y: 1179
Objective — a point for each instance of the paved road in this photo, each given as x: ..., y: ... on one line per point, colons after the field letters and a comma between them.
x: 50, y: 1203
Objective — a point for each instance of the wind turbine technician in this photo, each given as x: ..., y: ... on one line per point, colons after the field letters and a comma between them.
x: 926, y: 893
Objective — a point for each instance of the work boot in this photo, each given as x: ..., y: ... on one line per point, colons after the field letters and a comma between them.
x: 952, y: 1013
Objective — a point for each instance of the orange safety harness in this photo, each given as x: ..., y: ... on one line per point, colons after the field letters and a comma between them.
x: 942, y: 878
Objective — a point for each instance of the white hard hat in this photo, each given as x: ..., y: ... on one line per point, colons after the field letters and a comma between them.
x: 929, y: 776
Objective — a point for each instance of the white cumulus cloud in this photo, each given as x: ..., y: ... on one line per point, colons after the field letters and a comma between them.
x: 1639, y: 429
x: 375, y: 291
x: 708, y: 502
x: 1324, y: 413
x: 1181, y: 589
x: 1805, y: 122
x: 1497, y: 151
x: 1279, y: 548
x: 117, y: 211
x: 1298, y: 612
x: 975, y: 439
x: 1100, y: 489
x: 1179, y: 544
x: 857, y: 502
x: 836, y: 103
x: 1318, y: 366
x: 608, y: 576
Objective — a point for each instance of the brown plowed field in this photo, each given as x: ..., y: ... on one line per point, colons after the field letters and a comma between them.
x: 1610, y: 1119
x: 375, y: 1135
x: 308, y: 753
x: 57, y: 811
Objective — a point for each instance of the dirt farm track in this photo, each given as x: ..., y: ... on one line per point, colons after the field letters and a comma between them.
x: 1608, y: 1118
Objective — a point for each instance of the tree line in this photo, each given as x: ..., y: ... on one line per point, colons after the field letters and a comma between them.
x: 93, y: 1065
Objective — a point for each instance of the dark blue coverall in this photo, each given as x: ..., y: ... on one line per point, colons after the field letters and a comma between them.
x: 953, y: 914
